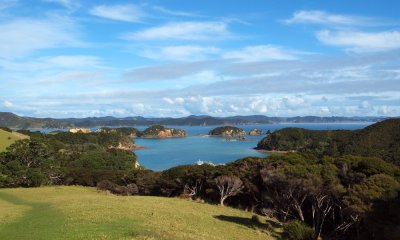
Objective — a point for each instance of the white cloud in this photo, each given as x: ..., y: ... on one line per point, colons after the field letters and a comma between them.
x: 361, y: 41
x: 325, y: 18
x: 262, y: 53
x: 168, y: 100
x: 180, y: 53
x: 183, y: 31
x: 24, y: 36
x: 258, y: 106
x: 365, y: 105
x: 8, y: 104
x: 168, y: 71
x: 41, y: 64
x: 293, y: 102
x: 173, y: 12
x: 383, y: 110
x: 70, y: 4
x: 73, y: 61
x: 85, y: 78
x: 125, y: 12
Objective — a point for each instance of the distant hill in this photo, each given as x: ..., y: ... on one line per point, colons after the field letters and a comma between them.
x: 381, y: 140
x: 14, y: 121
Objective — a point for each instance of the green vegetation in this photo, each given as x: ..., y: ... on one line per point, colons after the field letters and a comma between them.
x: 331, y: 188
x: 131, y: 132
x: 161, y: 131
x: 8, y: 137
x: 14, y: 121
x: 66, y: 158
x: 84, y: 213
x: 227, y: 131
x: 297, y: 230
x: 380, y: 140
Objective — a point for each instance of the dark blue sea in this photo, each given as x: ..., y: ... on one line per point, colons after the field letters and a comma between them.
x: 160, y: 154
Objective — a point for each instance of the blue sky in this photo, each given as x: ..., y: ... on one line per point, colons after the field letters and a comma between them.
x: 71, y: 58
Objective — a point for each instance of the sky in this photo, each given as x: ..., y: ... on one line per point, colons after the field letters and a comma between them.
x: 174, y: 58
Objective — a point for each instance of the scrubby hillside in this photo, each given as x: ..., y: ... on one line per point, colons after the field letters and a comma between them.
x: 14, y: 121
x: 381, y: 140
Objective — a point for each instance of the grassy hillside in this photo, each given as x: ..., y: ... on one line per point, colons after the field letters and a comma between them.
x: 85, y: 213
x: 8, y: 138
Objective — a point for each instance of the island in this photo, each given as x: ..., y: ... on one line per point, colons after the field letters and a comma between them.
x: 227, y: 131
x: 159, y: 131
x: 256, y: 132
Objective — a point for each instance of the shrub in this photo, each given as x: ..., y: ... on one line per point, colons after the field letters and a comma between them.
x: 106, y: 185
x: 132, y: 189
x: 5, y: 129
x: 297, y: 230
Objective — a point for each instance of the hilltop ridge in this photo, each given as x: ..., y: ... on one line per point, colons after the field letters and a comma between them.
x: 12, y: 120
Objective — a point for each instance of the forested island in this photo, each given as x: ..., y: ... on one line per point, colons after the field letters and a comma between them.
x: 227, y: 131
x: 335, y: 185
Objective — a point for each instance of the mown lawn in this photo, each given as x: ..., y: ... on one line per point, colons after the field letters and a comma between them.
x: 85, y: 213
x: 8, y: 138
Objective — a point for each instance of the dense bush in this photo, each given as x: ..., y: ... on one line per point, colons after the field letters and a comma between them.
x: 5, y: 129
x: 296, y: 230
x: 69, y: 158
x: 106, y: 185
x: 380, y: 140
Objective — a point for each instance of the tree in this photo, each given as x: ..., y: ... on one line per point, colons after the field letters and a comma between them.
x: 228, y: 186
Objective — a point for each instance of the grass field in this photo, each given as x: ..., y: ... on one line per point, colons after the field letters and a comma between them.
x: 84, y: 213
x: 8, y: 138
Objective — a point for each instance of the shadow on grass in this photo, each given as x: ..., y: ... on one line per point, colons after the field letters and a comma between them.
x: 255, y: 223
x: 42, y: 221
x: 242, y: 221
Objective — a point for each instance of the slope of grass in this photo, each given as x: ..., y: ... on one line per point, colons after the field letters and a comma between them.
x: 10, y: 211
x: 8, y: 138
x: 85, y: 213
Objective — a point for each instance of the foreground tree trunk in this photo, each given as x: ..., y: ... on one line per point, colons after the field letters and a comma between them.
x: 321, y: 206
x: 228, y: 186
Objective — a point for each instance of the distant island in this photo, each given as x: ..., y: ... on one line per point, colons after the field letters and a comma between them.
x: 227, y: 131
x: 159, y: 131
x: 14, y: 121
x: 154, y: 131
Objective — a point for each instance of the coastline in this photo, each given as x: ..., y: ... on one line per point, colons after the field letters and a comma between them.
x: 272, y: 151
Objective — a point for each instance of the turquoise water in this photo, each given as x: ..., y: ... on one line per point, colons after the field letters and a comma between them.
x: 162, y: 154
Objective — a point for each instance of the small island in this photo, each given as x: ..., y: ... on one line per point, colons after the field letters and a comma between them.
x: 159, y: 131
x: 256, y: 132
x: 227, y: 131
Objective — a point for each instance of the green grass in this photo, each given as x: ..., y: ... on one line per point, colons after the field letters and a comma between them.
x: 85, y: 213
x: 8, y: 138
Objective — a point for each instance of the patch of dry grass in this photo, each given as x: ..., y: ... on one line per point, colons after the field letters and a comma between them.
x: 8, y: 138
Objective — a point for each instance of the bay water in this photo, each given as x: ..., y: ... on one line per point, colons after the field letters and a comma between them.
x: 160, y: 154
